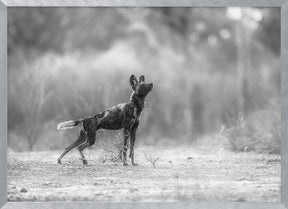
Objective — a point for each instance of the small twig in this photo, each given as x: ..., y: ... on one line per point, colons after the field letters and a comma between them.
x: 151, y: 159
x: 114, y: 153
x: 175, y: 175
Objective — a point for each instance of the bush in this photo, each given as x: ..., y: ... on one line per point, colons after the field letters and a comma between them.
x: 245, y: 136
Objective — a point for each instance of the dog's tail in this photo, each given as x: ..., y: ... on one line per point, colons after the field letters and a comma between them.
x: 68, y: 124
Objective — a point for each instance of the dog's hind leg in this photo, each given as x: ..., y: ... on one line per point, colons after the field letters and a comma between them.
x: 89, y: 142
x: 84, y: 161
x: 78, y: 142
x: 81, y: 149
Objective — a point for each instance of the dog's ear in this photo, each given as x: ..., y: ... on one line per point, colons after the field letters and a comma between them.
x: 142, y: 79
x: 133, y: 81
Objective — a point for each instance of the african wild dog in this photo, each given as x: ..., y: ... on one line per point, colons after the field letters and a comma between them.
x: 125, y: 115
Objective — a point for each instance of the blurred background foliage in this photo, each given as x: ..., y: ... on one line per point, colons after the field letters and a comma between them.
x: 215, y: 71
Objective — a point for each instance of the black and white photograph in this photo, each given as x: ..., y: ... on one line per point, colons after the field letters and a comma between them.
x: 143, y: 104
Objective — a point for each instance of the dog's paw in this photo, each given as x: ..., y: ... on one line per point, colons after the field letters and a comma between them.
x: 135, y: 164
x: 84, y: 161
x: 59, y: 161
x: 125, y: 164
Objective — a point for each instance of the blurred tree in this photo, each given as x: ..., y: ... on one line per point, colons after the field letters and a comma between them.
x: 34, y: 28
x: 197, y: 106
x: 85, y: 55
x: 243, y: 44
x: 32, y: 95
x: 269, y: 30
x: 62, y: 29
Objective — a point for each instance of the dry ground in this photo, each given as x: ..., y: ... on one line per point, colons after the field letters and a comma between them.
x: 190, y: 173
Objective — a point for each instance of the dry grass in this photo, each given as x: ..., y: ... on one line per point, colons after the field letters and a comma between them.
x: 113, y: 153
x: 190, y: 173
x: 244, y: 137
x: 151, y: 158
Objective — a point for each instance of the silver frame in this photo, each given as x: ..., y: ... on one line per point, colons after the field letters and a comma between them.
x: 283, y: 4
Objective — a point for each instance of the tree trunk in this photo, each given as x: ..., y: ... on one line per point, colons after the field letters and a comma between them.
x: 243, y: 62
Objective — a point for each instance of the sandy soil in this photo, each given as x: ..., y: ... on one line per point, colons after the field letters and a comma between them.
x: 182, y: 174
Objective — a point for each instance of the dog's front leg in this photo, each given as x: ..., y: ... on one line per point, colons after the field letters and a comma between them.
x: 131, y: 155
x: 126, y: 136
x: 132, y: 142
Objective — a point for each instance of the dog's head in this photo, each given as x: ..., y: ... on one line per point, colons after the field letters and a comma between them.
x: 140, y: 88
